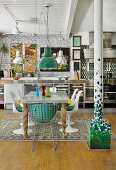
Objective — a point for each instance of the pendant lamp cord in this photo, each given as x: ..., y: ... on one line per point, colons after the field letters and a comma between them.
x: 47, y: 28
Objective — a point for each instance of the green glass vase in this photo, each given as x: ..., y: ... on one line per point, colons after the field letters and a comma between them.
x: 48, y: 93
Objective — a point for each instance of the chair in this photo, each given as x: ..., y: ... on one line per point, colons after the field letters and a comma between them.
x: 43, y: 114
x: 29, y: 122
x: 18, y: 110
x: 69, y: 129
x: 71, y: 105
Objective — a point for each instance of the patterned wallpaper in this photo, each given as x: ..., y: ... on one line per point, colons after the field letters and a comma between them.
x: 56, y: 40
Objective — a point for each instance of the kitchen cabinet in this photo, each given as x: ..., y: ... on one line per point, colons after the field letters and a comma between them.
x: 1, y: 95
x: 8, y: 88
x: 109, y: 94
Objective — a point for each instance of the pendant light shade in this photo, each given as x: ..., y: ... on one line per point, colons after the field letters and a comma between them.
x: 61, y: 59
x: 47, y: 61
x: 18, y: 59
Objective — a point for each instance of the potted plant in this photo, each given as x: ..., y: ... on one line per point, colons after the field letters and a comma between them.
x: 3, y: 51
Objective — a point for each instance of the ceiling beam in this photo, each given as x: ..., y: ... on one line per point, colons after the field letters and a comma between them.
x: 71, y: 17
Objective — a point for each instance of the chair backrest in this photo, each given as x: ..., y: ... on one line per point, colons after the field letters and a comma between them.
x: 19, y: 93
x: 13, y: 97
x: 73, y: 97
x: 76, y: 104
x: 42, y: 112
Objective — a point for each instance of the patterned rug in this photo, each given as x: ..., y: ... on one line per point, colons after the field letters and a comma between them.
x: 44, y: 132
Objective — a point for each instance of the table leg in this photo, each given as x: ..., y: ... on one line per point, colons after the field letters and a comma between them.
x: 63, y: 116
x: 25, y: 119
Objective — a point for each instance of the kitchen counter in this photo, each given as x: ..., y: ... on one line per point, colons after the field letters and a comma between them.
x: 106, y: 81
x: 40, y: 81
x: 34, y: 80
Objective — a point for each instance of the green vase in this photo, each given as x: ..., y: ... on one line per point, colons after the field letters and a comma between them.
x: 48, y: 93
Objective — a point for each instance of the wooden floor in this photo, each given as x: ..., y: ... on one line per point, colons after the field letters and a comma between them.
x: 69, y: 155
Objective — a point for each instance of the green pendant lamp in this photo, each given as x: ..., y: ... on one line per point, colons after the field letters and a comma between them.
x: 47, y: 61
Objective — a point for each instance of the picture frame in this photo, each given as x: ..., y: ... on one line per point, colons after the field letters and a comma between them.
x: 30, y: 66
x: 30, y: 51
x: 76, y: 54
x: 61, y: 67
x: 76, y: 41
x: 76, y: 65
x: 14, y: 47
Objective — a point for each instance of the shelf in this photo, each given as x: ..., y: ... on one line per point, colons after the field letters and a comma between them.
x: 62, y: 89
x: 77, y: 86
x: 2, y: 102
x: 109, y: 101
x: 110, y: 92
x: 89, y: 101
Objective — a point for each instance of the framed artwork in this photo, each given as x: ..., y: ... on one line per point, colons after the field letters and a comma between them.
x: 17, y: 68
x: 76, y: 41
x: 55, y: 53
x: 13, y: 48
x: 30, y: 66
x: 30, y: 51
x: 76, y: 65
x: 76, y: 54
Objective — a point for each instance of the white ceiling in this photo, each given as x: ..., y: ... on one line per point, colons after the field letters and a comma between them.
x: 84, y: 16
x: 28, y: 9
x: 60, y: 14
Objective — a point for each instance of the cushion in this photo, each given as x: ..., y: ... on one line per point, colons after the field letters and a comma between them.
x: 69, y: 108
x: 18, y: 107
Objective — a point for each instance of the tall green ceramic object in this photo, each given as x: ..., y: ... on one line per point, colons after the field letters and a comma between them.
x: 48, y: 93
x: 98, y: 130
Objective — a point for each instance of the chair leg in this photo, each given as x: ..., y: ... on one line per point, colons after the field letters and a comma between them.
x: 69, y: 129
x: 35, y: 129
x: 54, y: 146
x: 71, y: 123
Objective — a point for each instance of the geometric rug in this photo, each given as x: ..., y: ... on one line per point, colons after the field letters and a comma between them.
x: 44, y: 132
x: 7, y: 112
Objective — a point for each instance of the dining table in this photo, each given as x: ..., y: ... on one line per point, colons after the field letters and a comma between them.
x: 56, y: 97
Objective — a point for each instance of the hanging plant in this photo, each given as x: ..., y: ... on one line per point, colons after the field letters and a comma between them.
x: 3, y: 51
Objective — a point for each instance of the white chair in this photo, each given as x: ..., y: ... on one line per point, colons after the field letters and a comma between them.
x: 17, y: 109
x: 29, y: 122
x: 72, y: 104
x: 69, y: 129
